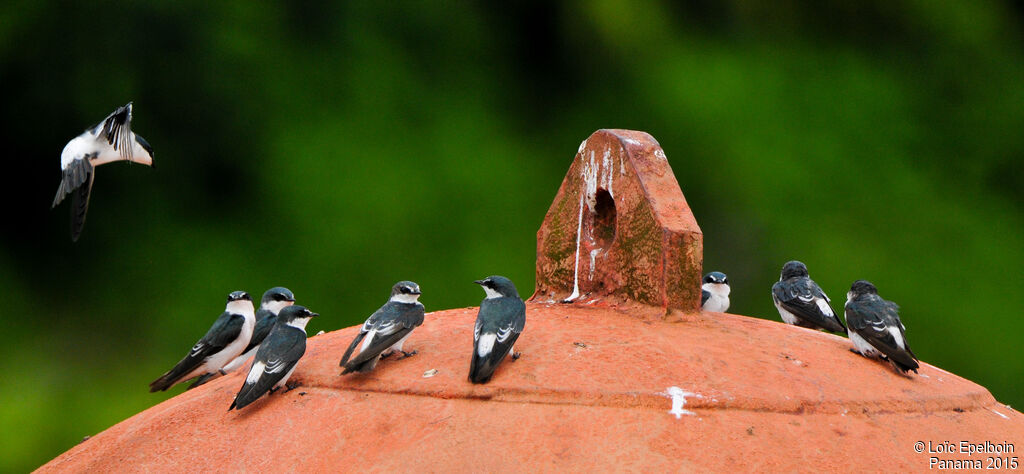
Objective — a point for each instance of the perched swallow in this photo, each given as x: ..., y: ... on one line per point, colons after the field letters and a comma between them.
x: 499, y: 322
x: 273, y: 301
x: 110, y: 140
x: 224, y: 341
x: 386, y: 329
x: 875, y: 327
x: 714, y: 293
x: 277, y: 356
x: 801, y: 302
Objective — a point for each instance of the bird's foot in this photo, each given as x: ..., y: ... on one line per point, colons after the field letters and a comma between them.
x: 386, y: 355
x: 273, y: 390
x: 855, y: 351
x: 406, y: 355
x: 222, y: 372
x: 292, y: 386
x: 516, y: 355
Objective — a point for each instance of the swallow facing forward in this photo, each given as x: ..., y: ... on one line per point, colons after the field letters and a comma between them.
x: 277, y: 356
x: 386, y: 329
x: 499, y: 322
x: 714, y: 292
x: 224, y: 341
x: 270, y: 305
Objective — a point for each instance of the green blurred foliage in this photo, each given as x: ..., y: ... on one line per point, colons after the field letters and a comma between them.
x: 336, y: 149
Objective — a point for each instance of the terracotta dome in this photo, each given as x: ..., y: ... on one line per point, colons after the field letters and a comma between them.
x: 628, y: 375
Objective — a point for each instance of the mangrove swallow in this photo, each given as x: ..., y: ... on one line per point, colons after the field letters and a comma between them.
x: 386, y: 329
x: 224, y: 341
x: 277, y: 356
x: 110, y: 140
x: 876, y: 329
x: 271, y: 304
x: 714, y: 292
x: 801, y: 302
x: 499, y: 322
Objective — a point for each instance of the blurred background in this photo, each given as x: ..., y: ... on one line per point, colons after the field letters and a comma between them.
x: 335, y: 149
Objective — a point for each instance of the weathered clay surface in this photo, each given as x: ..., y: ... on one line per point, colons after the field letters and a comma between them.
x: 589, y: 393
x: 648, y: 250
x: 592, y: 391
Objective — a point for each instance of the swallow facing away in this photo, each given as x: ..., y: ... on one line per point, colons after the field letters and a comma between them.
x: 224, y: 341
x: 876, y: 329
x: 277, y: 356
x: 714, y: 292
x: 110, y: 140
x: 386, y: 329
x: 801, y: 302
x: 271, y: 304
x: 499, y: 322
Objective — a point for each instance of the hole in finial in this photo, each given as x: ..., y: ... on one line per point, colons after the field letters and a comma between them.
x: 603, y: 225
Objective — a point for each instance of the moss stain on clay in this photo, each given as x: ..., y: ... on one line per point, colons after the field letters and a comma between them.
x: 639, y: 243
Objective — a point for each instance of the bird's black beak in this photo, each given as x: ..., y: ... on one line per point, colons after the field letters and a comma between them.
x: 313, y: 315
x: 479, y: 282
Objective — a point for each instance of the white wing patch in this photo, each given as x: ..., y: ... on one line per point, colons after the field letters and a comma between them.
x: 824, y: 307
x: 198, y: 347
x: 368, y: 341
x: 476, y: 331
x: 255, y: 372
x: 486, y: 344
x: 898, y: 337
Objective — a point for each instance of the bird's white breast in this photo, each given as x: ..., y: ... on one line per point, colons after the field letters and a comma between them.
x: 234, y: 349
x: 719, y: 299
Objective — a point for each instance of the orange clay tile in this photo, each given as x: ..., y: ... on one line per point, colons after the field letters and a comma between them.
x: 600, y: 385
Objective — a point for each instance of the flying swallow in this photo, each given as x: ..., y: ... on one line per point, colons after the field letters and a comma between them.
x: 714, y: 292
x: 224, y: 341
x: 110, y: 140
x: 801, y: 302
x: 277, y: 356
x: 386, y: 329
x: 875, y: 327
x: 500, y: 320
x: 271, y: 304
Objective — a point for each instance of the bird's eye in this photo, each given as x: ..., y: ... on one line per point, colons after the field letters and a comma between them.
x: 405, y: 289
